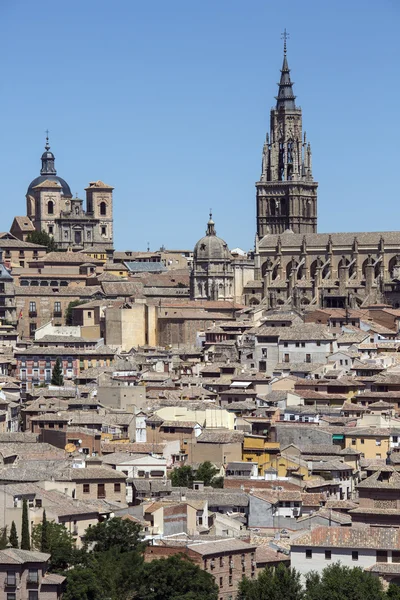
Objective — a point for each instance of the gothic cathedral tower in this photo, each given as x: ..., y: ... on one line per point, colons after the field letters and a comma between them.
x: 286, y: 192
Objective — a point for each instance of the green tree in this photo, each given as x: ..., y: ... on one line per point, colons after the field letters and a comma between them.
x: 68, y: 312
x: 57, y: 377
x: 182, y: 476
x: 281, y: 583
x: 343, y: 583
x: 43, y: 239
x: 116, y: 533
x: 25, y: 539
x: 82, y: 584
x: 3, y: 538
x: 13, y: 536
x: 218, y: 482
x: 393, y: 592
x: 44, y: 537
x: 55, y: 539
x: 111, y: 575
x: 206, y: 472
x: 175, y: 578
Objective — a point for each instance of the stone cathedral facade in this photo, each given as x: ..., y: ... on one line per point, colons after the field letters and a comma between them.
x: 295, y: 265
x: 50, y: 207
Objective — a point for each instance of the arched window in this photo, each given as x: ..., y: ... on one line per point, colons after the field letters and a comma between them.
x: 103, y: 209
x: 50, y: 207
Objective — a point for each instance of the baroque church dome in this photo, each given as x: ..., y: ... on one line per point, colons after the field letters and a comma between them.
x: 48, y: 173
x: 211, y: 247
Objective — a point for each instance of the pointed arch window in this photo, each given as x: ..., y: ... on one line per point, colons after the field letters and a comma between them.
x: 281, y: 165
x: 290, y: 159
x: 50, y: 207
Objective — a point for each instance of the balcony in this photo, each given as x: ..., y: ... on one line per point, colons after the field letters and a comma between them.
x: 57, y: 313
x: 32, y: 313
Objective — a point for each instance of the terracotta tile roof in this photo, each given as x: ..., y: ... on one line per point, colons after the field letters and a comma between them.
x: 297, y: 332
x: 207, y: 304
x: 99, y: 185
x: 73, y: 291
x: 265, y: 556
x: 123, y: 288
x: 134, y: 447
x: 217, y: 547
x: 78, y: 258
x: 24, y: 223
x: 48, y: 184
x: 52, y: 579
x: 340, y: 504
x: 220, y: 437
x: 385, y: 568
x: 366, y: 510
x: 331, y: 515
x: 275, y: 496
x: 320, y: 240
x: 378, y: 480
x: 351, y: 537
x: 15, y: 556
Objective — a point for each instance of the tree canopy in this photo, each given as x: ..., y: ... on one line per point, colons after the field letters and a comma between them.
x: 281, y: 583
x: 206, y: 472
x: 13, y: 535
x: 115, y: 533
x: 25, y: 537
x: 175, y: 578
x: 57, y: 377
x: 182, y: 476
x: 43, y: 239
x: 338, y: 582
x: 54, y: 538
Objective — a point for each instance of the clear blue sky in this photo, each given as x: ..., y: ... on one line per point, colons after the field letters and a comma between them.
x: 169, y: 102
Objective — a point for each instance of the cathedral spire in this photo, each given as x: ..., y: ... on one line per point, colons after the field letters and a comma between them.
x: 48, y: 159
x: 285, y: 98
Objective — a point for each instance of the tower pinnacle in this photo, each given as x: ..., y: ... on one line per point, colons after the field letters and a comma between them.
x: 48, y: 159
x: 285, y: 98
x: 210, y: 225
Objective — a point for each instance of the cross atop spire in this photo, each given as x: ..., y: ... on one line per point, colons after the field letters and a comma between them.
x: 284, y: 36
x: 47, y: 146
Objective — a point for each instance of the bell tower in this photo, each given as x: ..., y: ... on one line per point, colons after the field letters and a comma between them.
x: 286, y: 192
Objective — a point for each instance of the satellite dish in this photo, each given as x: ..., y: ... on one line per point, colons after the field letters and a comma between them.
x: 70, y: 448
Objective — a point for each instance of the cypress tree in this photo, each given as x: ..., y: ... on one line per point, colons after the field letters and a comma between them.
x: 3, y: 538
x: 57, y: 375
x: 13, y: 536
x: 44, y: 543
x: 25, y: 537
